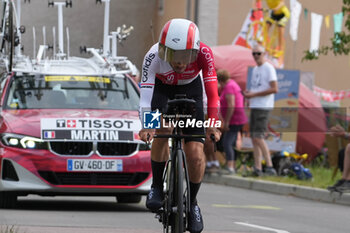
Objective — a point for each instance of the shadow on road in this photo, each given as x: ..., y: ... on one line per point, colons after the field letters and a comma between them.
x: 79, y: 205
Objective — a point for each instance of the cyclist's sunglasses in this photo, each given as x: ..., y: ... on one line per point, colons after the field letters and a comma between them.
x: 181, y: 56
x: 256, y: 53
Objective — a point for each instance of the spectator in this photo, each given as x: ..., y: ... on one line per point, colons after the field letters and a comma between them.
x: 213, y: 164
x: 263, y: 86
x: 342, y: 185
x: 233, y: 115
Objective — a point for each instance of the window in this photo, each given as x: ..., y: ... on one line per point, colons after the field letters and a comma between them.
x: 72, y: 92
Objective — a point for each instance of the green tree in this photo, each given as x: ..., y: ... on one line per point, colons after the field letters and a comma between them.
x: 340, y: 42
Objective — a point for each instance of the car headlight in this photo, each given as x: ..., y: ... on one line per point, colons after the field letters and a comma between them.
x: 23, y: 141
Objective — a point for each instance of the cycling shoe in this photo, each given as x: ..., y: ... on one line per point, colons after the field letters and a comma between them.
x: 155, y: 199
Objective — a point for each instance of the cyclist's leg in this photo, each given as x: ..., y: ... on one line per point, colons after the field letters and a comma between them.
x: 160, y: 147
x: 195, y: 160
x: 159, y: 150
x: 281, y: 29
x: 196, y: 166
x: 271, y: 44
x: 159, y: 156
x: 282, y: 21
x: 194, y: 147
x: 269, y: 21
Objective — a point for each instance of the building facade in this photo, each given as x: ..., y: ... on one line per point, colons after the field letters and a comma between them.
x: 219, y: 22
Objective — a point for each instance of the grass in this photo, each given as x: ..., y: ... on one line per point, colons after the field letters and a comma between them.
x: 322, y: 175
x: 322, y: 178
x: 9, y: 229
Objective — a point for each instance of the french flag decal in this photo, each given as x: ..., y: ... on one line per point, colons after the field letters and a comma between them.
x: 49, y: 134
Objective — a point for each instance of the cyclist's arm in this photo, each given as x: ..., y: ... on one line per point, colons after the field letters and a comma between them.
x: 286, y: 12
x: 213, y: 99
x: 149, y: 69
x: 147, y: 81
x: 206, y: 63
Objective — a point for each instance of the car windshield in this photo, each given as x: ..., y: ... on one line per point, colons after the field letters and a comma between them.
x: 71, y: 92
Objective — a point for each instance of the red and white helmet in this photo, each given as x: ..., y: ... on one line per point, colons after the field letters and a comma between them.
x: 179, y: 41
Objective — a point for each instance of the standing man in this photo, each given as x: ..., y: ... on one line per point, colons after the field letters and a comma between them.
x: 263, y: 86
x: 172, y: 66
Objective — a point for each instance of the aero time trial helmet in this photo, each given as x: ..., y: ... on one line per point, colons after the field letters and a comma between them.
x: 179, y: 41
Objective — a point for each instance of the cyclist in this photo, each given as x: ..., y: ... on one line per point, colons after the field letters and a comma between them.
x: 172, y: 66
x: 280, y: 14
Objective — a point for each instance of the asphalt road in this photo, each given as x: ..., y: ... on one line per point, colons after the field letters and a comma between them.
x: 225, y: 209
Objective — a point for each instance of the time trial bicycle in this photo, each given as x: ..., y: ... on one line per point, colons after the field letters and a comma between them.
x: 176, y: 205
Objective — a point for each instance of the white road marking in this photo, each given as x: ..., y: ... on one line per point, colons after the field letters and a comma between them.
x: 261, y: 207
x: 262, y: 227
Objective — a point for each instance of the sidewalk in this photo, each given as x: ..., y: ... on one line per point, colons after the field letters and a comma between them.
x: 310, y: 193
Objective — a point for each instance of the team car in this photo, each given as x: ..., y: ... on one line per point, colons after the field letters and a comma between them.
x: 69, y: 126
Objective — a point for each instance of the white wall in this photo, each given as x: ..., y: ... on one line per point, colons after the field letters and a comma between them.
x: 208, y: 11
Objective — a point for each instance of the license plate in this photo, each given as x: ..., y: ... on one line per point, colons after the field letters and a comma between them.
x: 112, y: 165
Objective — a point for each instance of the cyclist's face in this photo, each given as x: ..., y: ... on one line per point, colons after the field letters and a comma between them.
x: 179, y: 59
x: 178, y: 66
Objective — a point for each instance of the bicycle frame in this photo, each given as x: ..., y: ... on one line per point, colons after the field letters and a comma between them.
x: 174, y: 214
x: 177, y: 193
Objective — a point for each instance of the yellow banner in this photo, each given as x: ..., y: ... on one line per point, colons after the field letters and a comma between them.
x: 77, y: 79
x: 327, y: 21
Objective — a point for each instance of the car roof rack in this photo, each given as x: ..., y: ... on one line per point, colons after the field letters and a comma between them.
x: 103, y: 62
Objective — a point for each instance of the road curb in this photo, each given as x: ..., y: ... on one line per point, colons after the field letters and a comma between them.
x: 305, y: 192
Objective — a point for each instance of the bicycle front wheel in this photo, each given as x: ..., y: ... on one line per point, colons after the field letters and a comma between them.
x: 179, y: 217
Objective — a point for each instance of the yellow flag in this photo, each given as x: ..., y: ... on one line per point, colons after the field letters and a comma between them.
x: 327, y: 21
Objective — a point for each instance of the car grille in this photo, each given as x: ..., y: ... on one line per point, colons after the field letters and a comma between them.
x: 71, y: 148
x: 86, y: 148
x: 116, y: 148
x: 93, y: 178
